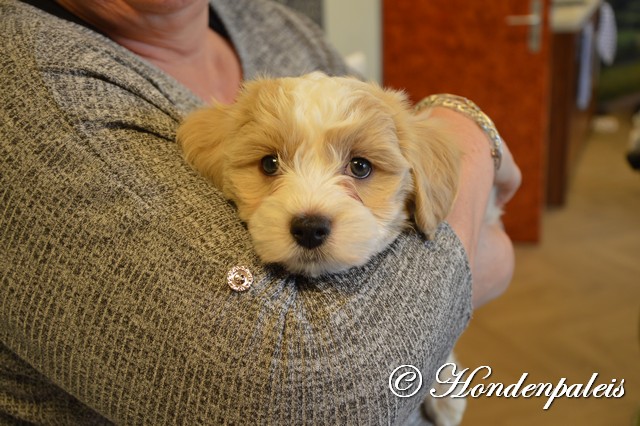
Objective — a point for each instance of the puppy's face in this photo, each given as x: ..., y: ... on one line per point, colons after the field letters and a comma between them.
x: 324, y: 171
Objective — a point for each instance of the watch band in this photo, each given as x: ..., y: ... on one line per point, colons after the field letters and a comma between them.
x: 471, y: 110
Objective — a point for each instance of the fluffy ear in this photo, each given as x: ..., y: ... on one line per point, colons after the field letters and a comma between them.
x: 435, y: 163
x: 202, y: 136
x: 434, y: 159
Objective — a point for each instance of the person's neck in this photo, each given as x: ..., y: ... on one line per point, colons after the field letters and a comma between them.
x: 174, y: 37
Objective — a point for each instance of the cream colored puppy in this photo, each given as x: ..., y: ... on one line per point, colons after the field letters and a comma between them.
x: 325, y: 171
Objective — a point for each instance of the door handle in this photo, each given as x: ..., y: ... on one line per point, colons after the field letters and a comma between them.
x: 515, y: 20
x: 534, y: 21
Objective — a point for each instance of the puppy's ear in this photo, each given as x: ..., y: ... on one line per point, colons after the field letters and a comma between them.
x: 435, y: 166
x: 202, y: 136
x: 434, y: 160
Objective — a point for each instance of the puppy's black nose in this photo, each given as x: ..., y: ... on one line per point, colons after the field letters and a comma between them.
x: 310, y: 231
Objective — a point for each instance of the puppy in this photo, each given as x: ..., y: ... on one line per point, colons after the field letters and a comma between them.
x: 325, y: 171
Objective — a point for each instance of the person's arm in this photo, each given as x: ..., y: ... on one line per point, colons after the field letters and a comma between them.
x: 488, y: 247
x: 115, y: 256
x: 117, y: 294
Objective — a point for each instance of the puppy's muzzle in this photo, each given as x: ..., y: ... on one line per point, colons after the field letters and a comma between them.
x: 310, y: 231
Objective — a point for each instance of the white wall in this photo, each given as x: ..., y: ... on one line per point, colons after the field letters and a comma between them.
x: 354, y: 26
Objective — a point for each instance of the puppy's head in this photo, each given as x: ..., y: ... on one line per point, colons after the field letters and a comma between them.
x: 324, y: 171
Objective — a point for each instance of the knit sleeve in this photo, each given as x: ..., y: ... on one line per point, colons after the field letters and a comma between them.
x: 114, y: 259
x: 275, y: 41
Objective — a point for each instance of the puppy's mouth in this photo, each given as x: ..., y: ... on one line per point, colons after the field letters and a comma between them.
x: 313, y: 262
x: 312, y: 256
x: 327, y: 237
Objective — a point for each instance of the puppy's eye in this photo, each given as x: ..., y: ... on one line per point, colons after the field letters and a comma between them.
x: 269, y: 165
x: 359, y: 168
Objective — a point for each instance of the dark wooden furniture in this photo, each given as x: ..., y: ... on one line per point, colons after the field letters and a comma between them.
x: 569, y: 124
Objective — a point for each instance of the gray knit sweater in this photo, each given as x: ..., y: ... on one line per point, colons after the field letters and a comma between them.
x: 114, y: 306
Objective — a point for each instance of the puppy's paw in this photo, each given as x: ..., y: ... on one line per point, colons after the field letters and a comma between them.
x: 445, y: 411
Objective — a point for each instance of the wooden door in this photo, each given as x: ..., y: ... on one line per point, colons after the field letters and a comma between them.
x: 468, y: 48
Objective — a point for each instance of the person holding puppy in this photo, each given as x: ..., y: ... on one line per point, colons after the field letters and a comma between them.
x: 115, y: 303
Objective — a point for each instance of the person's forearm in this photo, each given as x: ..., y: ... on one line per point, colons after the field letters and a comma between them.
x: 476, y: 178
x: 489, y: 249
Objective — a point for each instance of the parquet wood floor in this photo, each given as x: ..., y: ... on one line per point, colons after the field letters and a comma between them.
x: 573, y: 308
